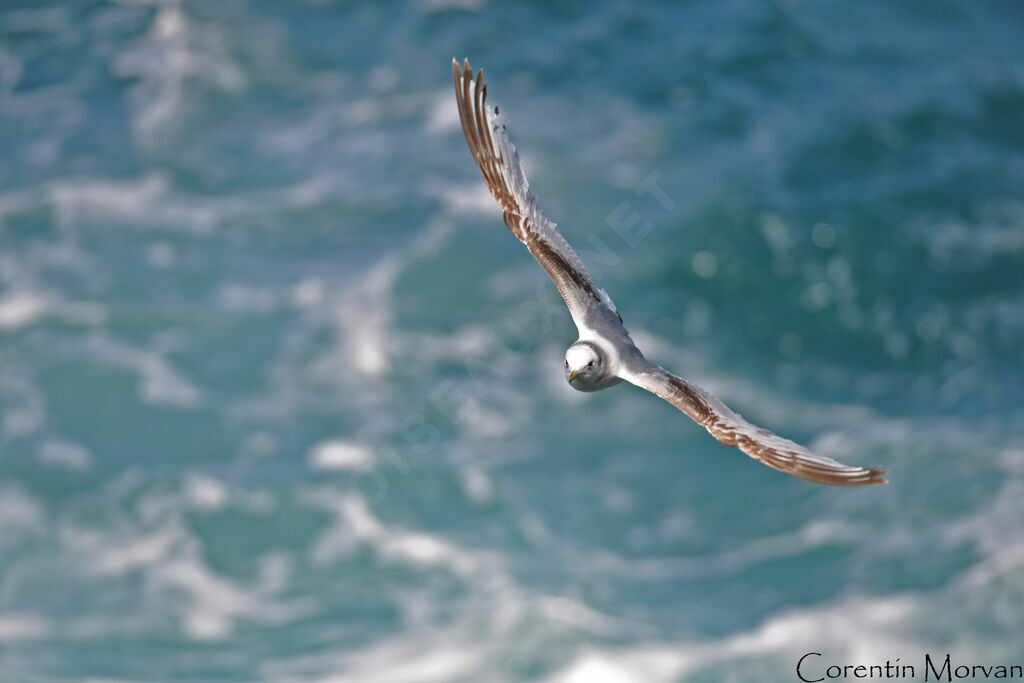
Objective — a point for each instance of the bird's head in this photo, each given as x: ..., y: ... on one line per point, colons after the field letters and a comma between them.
x: 583, y: 364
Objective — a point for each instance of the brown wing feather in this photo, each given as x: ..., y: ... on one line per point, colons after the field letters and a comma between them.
x: 499, y: 165
x: 732, y: 430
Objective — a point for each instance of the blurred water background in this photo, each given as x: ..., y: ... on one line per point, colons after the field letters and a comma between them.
x: 282, y: 397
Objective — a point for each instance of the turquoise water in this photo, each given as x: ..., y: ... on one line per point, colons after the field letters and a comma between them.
x: 282, y: 398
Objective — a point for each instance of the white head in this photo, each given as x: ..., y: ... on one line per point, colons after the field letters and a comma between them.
x: 584, y: 365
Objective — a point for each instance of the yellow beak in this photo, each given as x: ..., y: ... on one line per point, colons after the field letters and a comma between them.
x: 573, y: 375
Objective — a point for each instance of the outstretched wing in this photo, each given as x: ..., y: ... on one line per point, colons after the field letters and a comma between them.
x: 732, y: 430
x: 499, y: 164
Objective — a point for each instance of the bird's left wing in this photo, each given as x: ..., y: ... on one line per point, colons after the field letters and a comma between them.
x: 732, y: 430
x: 499, y: 164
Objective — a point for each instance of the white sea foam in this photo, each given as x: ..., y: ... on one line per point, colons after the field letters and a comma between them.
x: 159, y: 382
x: 995, y: 232
x: 213, y: 601
x: 441, y: 5
x: 176, y: 50
x: 477, y: 484
x: 162, y: 385
x: 467, y: 342
x: 426, y: 662
x: 856, y: 629
x: 297, y: 137
x: 640, y: 665
x: 576, y: 614
x: 19, y: 626
x: 18, y: 509
x: 338, y: 454
x: 65, y: 454
x: 21, y: 308
x: 500, y: 615
x: 729, y: 561
x: 164, y: 553
x: 485, y: 423
x: 356, y: 524
x: 107, y: 198
x: 470, y: 199
x: 496, y: 619
x: 114, y: 557
x: 25, y: 307
x: 148, y: 201
x: 362, y: 316
x: 24, y: 406
x: 205, y: 492
x: 308, y: 293
x: 161, y: 255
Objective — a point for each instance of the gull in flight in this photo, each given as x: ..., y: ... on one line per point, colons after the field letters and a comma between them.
x: 604, y: 354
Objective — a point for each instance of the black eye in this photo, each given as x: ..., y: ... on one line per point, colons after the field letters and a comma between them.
x: 590, y: 364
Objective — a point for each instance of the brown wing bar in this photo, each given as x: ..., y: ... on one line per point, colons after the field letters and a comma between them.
x: 760, y: 444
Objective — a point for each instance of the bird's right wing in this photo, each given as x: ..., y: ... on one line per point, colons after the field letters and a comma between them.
x: 732, y: 430
x: 499, y: 164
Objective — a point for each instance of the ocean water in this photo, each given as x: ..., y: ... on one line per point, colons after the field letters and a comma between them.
x: 281, y: 397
